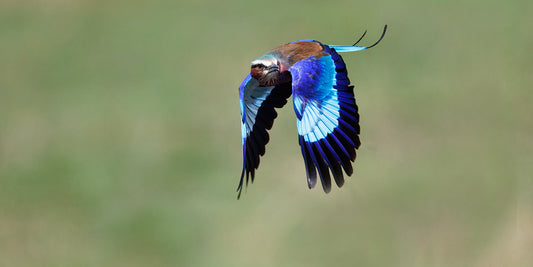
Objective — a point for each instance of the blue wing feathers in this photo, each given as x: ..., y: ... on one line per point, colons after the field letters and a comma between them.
x: 347, y: 95
x: 340, y: 66
x: 322, y: 167
x: 328, y: 119
x: 342, y: 82
x: 315, y: 161
x: 340, y: 151
x: 349, y: 118
x: 346, y: 102
x: 341, y: 76
x: 258, y: 113
x: 333, y: 161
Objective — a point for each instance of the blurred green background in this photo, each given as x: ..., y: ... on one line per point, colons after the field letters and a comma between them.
x: 120, y: 142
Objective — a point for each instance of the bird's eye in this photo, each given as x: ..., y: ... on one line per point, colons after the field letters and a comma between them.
x: 259, y: 65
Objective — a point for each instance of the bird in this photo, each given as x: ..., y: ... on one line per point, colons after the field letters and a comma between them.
x: 324, y: 103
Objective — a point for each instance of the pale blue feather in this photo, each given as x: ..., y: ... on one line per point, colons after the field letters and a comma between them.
x: 344, y: 48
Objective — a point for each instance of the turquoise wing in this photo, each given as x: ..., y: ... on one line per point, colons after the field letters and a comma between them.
x: 327, y: 117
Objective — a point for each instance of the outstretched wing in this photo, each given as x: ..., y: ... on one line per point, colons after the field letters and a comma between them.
x: 328, y: 122
x: 257, y: 116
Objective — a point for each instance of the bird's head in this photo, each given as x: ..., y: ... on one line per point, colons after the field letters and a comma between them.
x: 266, y: 70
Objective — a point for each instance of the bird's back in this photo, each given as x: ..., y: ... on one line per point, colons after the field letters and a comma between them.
x: 295, y: 51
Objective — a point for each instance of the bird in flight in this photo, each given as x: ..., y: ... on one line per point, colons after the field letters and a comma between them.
x: 324, y: 102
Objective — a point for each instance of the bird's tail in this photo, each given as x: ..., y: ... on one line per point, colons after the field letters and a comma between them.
x: 345, y: 48
x: 353, y: 48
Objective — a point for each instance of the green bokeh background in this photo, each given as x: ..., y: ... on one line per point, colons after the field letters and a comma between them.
x: 120, y: 136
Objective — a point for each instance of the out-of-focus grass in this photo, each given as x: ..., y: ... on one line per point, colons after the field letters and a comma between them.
x: 120, y: 140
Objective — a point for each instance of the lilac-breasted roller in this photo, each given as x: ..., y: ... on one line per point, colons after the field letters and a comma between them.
x: 324, y: 102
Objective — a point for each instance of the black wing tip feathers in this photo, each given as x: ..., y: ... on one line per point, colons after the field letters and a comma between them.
x: 239, y: 188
